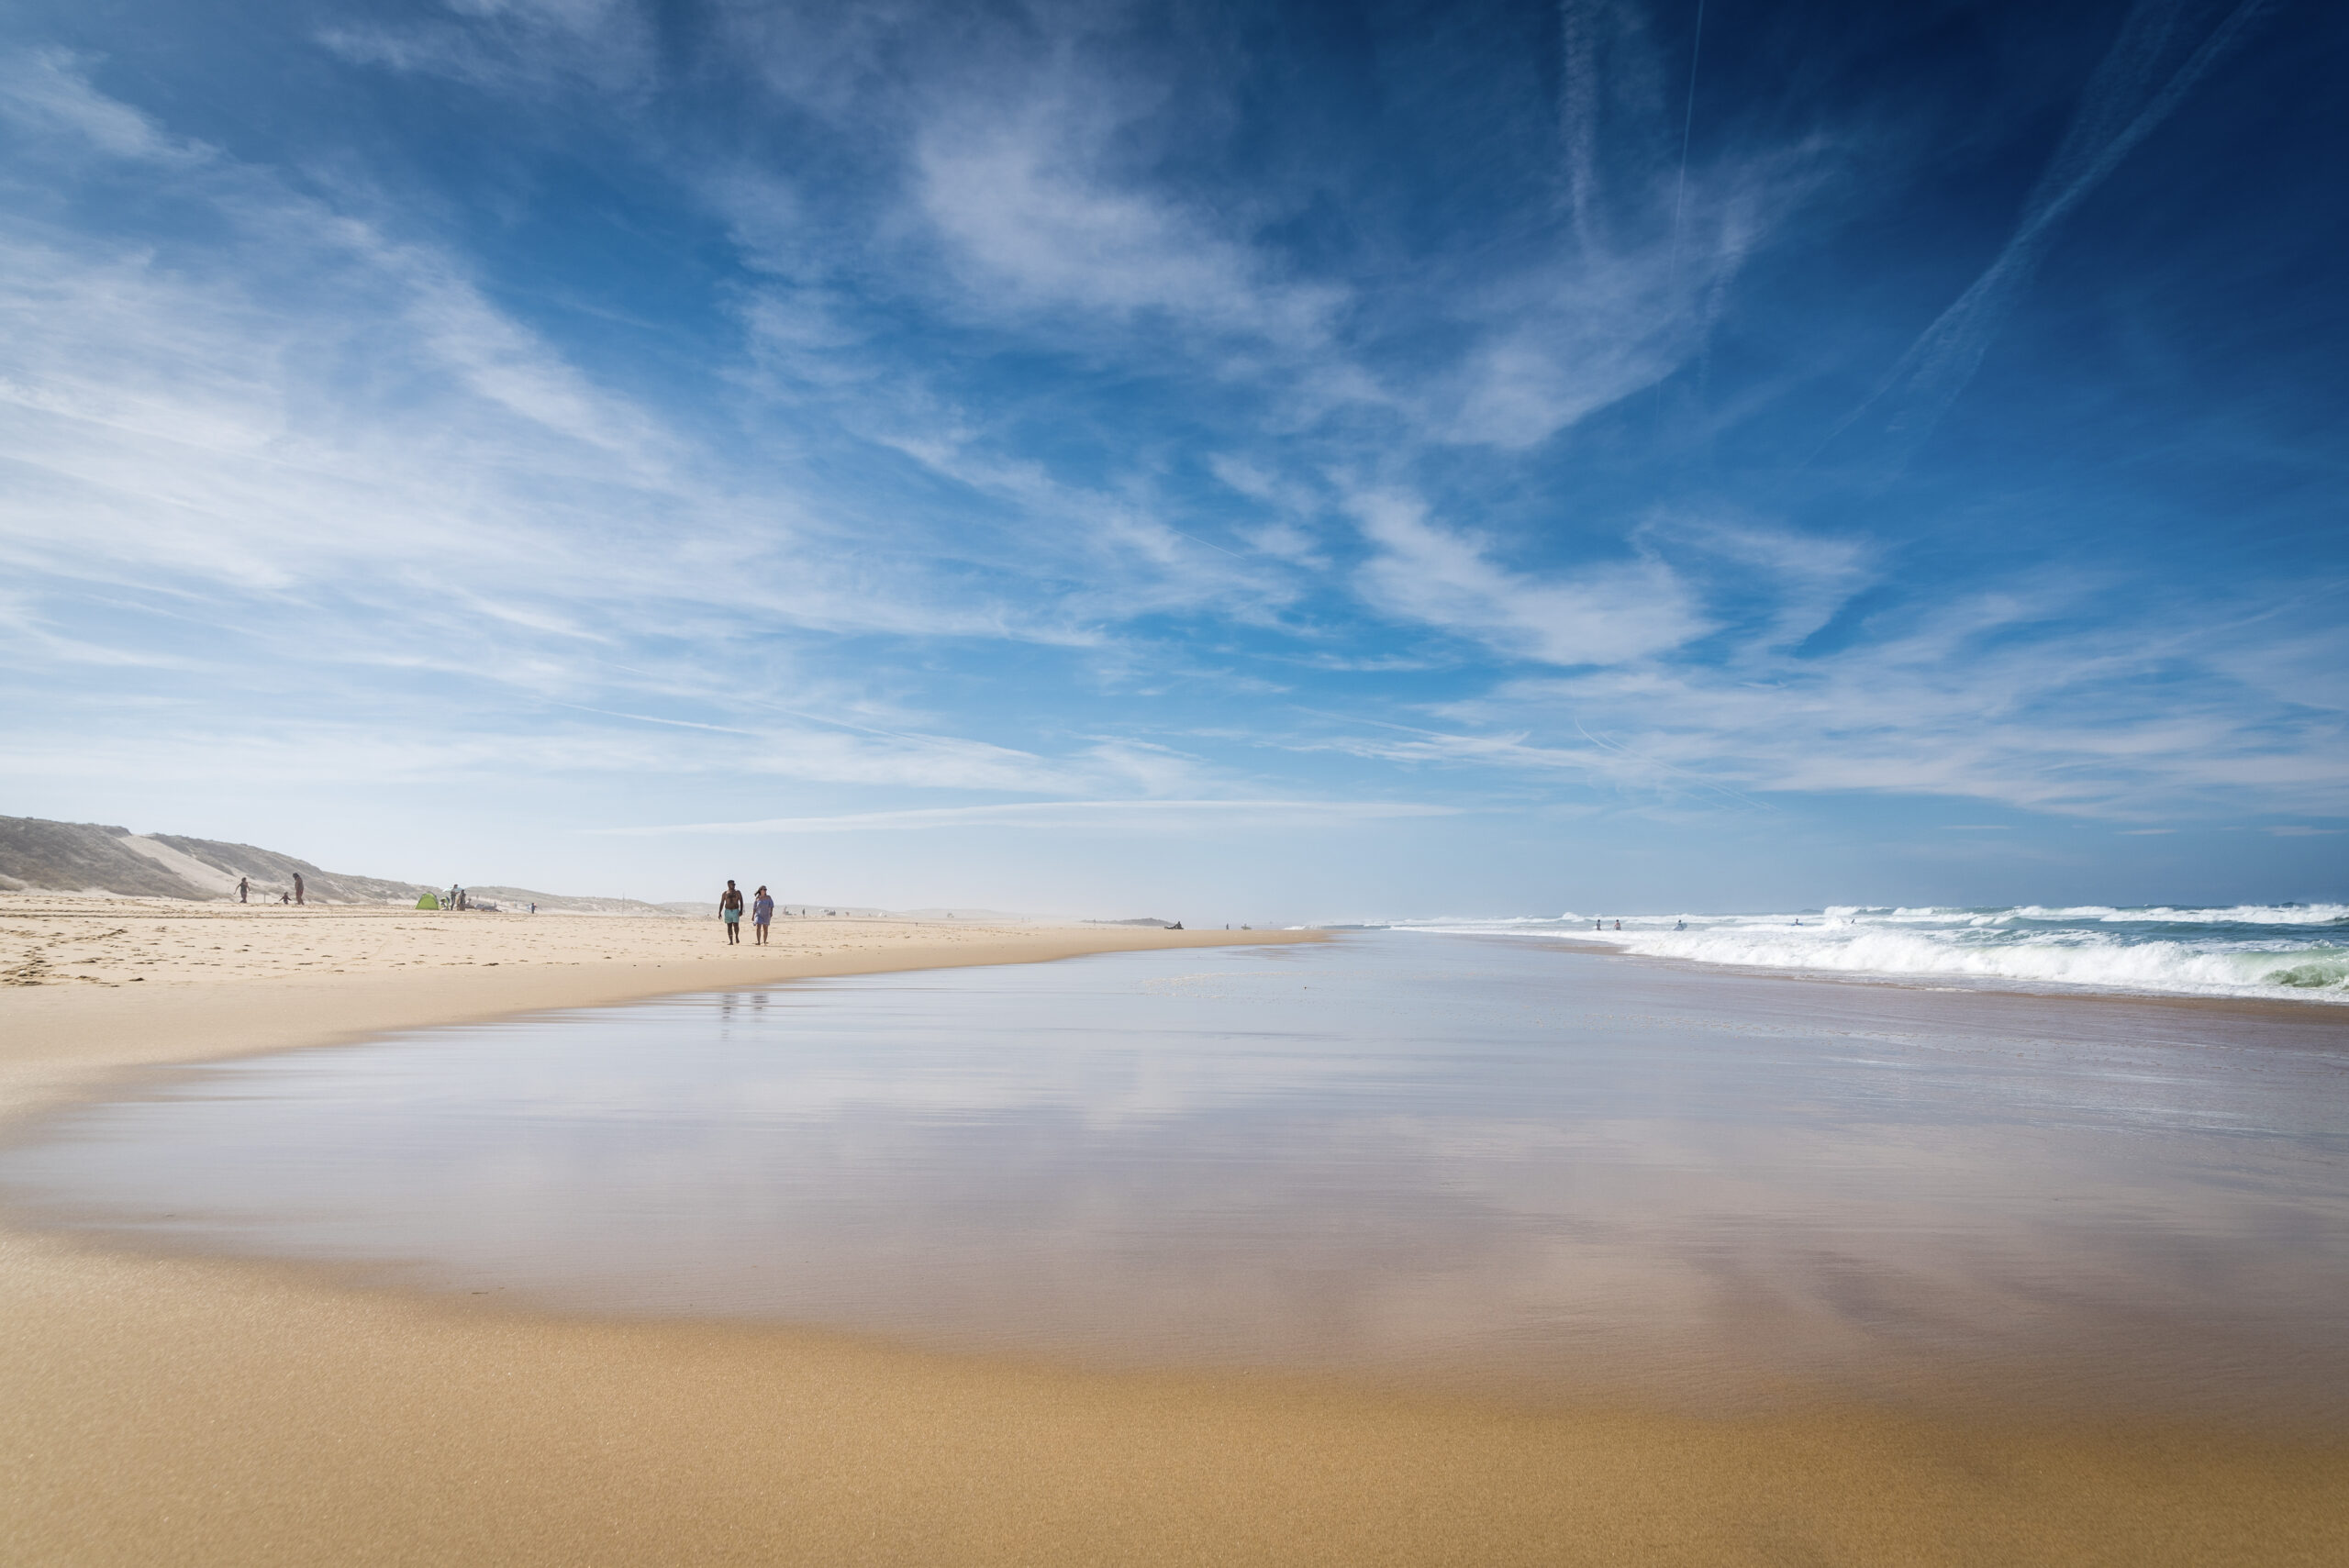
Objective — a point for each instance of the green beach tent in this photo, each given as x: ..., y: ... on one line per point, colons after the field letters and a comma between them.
x: 427, y: 902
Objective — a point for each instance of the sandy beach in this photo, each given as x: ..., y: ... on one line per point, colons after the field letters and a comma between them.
x: 90, y: 985
x: 203, y: 1411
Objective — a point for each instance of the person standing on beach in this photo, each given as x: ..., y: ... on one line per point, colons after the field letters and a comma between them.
x: 244, y: 889
x: 761, y: 911
x: 729, y: 910
x: 297, y: 887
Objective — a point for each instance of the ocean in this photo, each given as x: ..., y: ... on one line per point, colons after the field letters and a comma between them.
x: 2277, y: 951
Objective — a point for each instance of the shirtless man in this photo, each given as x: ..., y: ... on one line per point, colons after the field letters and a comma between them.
x: 729, y: 910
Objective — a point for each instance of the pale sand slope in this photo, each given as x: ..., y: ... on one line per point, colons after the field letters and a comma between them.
x: 191, y: 1412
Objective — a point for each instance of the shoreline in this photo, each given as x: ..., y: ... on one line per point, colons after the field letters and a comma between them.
x: 195, y: 1410
x: 66, y: 1036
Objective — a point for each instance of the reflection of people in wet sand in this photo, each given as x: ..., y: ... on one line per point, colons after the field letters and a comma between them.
x: 761, y: 911
x: 729, y: 910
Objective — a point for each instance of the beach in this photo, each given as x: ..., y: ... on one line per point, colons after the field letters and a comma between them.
x: 199, y: 1410
x: 93, y: 985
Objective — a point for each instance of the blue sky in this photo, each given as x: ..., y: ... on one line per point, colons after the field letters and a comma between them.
x: 1240, y: 463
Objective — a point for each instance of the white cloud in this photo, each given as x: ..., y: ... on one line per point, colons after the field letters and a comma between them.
x: 504, y: 45
x: 1166, y: 814
x: 1026, y: 217
x: 1980, y: 698
x: 48, y: 91
x: 1603, y: 615
x: 306, y: 406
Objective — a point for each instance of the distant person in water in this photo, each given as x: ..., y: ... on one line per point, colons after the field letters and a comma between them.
x: 244, y: 889
x: 761, y: 911
x: 1619, y: 924
x: 297, y: 887
x: 729, y: 910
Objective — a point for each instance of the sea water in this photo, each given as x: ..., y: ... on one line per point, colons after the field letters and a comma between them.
x: 1483, y: 1162
x: 2283, y: 950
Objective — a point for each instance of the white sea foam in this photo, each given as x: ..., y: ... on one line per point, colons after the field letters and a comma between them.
x: 2295, y: 951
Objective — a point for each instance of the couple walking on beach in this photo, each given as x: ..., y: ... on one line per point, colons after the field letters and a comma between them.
x: 729, y: 910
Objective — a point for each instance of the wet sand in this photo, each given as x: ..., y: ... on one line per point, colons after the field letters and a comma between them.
x: 198, y: 1411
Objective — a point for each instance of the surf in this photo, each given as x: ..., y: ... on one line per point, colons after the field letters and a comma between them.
x: 2279, y: 950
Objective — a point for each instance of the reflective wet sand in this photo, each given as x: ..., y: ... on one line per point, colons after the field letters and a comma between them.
x: 1481, y: 1165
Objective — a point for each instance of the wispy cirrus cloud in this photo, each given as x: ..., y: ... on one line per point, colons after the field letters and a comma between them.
x: 1445, y: 578
x: 1028, y: 224
x: 1992, y: 699
x: 508, y: 45
x: 1161, y: 815
x: 47, y: 92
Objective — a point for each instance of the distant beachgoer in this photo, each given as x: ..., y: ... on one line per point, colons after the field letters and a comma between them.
x: 285, y: 898
x: 761, y: 911
x: 1599, y: 925
x: 729, y: 910
x: 1619, y: 924
x: 244, y: 889
x: 1679, y: 925
x: 297, y: 887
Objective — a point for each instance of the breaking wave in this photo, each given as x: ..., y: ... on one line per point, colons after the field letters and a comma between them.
x: 2272, y: 950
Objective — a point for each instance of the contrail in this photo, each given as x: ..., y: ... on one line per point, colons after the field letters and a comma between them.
x: 1578, y: 112
x: 1942, y: 361
x: 1688, y: 125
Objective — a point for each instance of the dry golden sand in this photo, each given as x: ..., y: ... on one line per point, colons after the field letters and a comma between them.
x: 169, y: 1410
